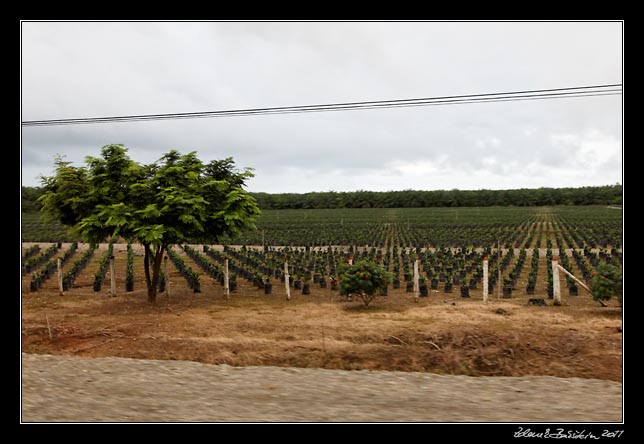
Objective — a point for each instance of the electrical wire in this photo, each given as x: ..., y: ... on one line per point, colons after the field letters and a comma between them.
x: 541, y: 94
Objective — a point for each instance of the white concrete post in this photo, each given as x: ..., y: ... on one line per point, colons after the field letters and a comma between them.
x: 287, y: 280
x: 581, y: 284
x: 485, y: 283
x: 556, y: 287
x: 416, y: 281
x: 226, y: 283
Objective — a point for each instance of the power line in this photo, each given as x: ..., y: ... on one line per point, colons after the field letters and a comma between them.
x: 290, y: 110
x: 539, y: 94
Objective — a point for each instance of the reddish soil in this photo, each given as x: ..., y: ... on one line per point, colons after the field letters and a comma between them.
x: 442, y: 333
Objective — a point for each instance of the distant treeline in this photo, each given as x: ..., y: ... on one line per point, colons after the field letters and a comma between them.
x: 604, y: 195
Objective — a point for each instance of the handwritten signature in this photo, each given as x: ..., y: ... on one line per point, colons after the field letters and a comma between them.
x: 566, y: 434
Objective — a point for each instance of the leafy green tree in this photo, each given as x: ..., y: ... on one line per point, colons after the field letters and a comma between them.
x: 607, y: 283
x: 171, y: 201
x: 364, y: 278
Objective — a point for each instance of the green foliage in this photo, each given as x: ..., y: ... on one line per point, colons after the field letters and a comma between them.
x: 31, y: 251
x: 176, y: 199
x: 51, y: 265
x: 35, y: 229
x: 364, y: 278
x: 607, y: 283
x: 70, y: 275
x: 438, y: 227
x: 190, y: 275
x: 99, y: 275
x: 600, y: 195
x: 34, y: 262
x: 129, y: 269
x: 161, y: 284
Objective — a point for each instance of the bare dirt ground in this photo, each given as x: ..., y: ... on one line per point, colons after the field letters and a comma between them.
x: 441, y: 334
x: 438, y: 334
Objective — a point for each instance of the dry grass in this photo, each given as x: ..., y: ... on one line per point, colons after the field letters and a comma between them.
x: 441, y: 333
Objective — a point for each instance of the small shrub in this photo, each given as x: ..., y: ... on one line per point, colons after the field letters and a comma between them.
x: 364, y: 278
x: 607, y: 283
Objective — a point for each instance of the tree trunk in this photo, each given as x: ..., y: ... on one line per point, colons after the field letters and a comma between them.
x: 152, y: 280
x: 366, y: 298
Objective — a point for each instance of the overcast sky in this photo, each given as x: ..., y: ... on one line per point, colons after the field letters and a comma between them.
x: 74, y: 70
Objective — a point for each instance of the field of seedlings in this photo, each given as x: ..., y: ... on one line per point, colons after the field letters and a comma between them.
x: 448, y: 330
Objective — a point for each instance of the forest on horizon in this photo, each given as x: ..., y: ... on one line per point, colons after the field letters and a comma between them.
x: 524, y: 197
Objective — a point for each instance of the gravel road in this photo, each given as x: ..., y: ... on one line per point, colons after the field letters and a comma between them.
x: 71, y: 389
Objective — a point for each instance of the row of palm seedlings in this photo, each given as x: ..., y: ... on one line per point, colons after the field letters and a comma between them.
x: 50, y: 267
x: 209, y: 263
x: 532, y: 275
x: 30, y: 251
x: 77, y: 267
x: 594, y: 234
x: 441, y: 269
x: 99, y: 276
x: 191, y: 276
x: 129, y: 269
x: 33, y: 263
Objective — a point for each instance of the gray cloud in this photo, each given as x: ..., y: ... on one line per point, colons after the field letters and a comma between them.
x: 101, y: 69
